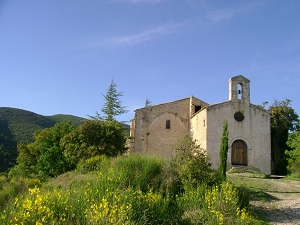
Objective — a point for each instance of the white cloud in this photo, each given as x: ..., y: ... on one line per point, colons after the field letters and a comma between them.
x: 145, y: 36
x: 220, y: 14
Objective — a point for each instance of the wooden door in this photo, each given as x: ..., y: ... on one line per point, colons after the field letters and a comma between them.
x: 239, y: 153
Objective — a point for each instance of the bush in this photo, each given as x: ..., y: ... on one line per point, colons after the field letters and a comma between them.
x: 44, y: 156
x: 140, y: 172
x: 294, y: 154
x: 219, y: 205
x: 3, y: 181
x: 95, y: 163
x: 94, y: 138
x: 192, y: 165
x: 14, y: 187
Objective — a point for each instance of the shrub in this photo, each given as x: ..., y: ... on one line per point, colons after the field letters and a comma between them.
x: 192, y: 165
x: 140, y: 172
x: 3, y: 181
x: 294, y: 154
x: 44, y: 156
x: 94, y: 138
x: 219, y: 205
x: 95, y: 163
x: 17, y: 185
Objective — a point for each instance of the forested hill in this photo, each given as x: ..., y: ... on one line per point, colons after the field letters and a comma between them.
x: 18, y: 126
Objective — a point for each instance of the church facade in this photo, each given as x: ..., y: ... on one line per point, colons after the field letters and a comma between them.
x: 155, y: 129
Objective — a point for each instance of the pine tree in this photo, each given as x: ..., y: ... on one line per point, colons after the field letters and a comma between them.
x: 112, y: 106
x: 224, y: 151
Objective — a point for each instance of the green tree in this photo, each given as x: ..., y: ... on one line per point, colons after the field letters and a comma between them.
x: 94, y: 137
x: 26, y: 160
x: 224, y: 151
x: 4, y: 158
x: 294, y: 154
x: 283, y: 121
x: 192, y: 163
x: 45, y: 156
x: 112, y: 106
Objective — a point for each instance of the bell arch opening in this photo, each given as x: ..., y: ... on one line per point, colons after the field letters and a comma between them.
x: 240, y: 91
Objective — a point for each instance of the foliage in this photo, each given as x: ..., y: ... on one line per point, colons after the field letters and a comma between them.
x: 224, y: 151
x: 18, y: 126
x: 5, y: 158
x: 112, y: 106
x: 93, y: 138
x: 192, y: 163
x: 45, y: 154
x: 139, y: 172
x: 148, y: 102
x: 218, y: 205
x: 102, y: 197
x: 7, y: 145
x: 95, y: 163
x: 67, y: 118
x: 9, y: 189
x: 283, y: 121
x: 294, y: 154
x: 283, y: 115
x: 26, y: 162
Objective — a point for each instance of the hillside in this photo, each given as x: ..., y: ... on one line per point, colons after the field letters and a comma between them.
x: 18, y: 126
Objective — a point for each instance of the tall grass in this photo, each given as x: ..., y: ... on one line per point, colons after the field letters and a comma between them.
x: 126, y: 190
x: 9, y: 189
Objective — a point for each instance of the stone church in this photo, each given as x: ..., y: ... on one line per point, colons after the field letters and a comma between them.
x: 155, y: 129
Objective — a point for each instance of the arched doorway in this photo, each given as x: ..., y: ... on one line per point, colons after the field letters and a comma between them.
x: 239, y: 153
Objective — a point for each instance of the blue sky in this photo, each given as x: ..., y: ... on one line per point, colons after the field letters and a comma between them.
x: 59, y: 56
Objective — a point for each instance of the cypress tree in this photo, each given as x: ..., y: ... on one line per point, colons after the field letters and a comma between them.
x: 224, y: 151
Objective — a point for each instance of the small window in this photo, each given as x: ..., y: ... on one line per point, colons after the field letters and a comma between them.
x: 168, y: 124
x: 204, y: 123
x: 197, y: 108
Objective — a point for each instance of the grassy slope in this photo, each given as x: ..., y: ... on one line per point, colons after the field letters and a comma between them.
x: 82, y: 198
x: 18, y: 126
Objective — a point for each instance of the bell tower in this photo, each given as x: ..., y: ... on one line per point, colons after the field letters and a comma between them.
x: 239, y: 89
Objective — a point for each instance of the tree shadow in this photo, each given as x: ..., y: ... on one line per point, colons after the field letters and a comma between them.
x: 261, y: 196
x: 8, y: 147
x: 272, y: 213
x: 278, y: 216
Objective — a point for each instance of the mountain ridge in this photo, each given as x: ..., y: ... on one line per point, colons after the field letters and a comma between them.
x: 18, y: 125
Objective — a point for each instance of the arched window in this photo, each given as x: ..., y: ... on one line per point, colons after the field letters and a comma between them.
x: 239, y: 153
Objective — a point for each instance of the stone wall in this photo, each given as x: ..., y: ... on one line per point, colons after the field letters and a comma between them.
x: 151, y: 135
x: 199, y: 128
x: 254, y: 130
